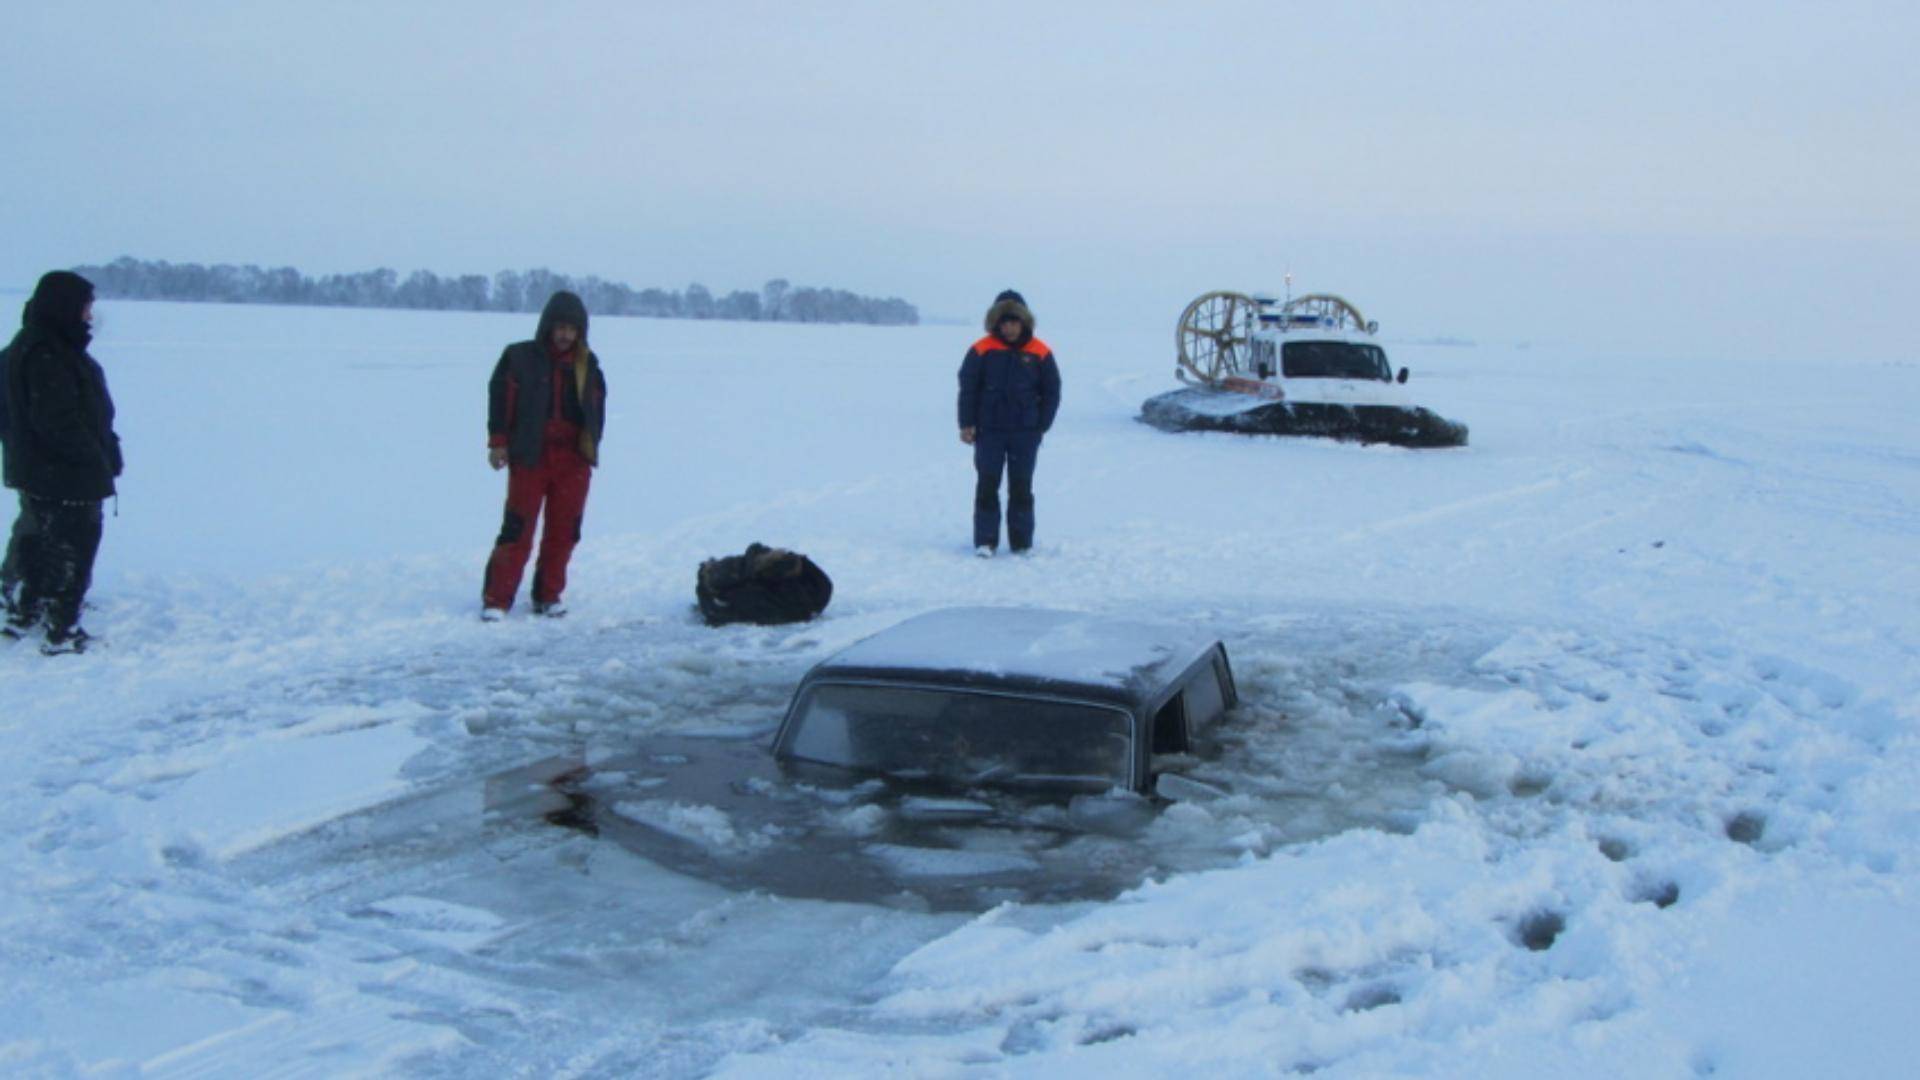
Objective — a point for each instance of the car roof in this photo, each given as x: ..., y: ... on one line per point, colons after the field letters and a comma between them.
x: 1024, y: 649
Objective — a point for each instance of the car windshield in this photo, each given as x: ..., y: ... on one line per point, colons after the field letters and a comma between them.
x: 1333, y: 360
x: 958, y: 737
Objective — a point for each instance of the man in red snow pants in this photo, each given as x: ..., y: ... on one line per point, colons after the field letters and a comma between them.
x: 546, y: 409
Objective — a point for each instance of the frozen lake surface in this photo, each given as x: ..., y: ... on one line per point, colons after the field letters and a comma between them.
x: 1588, y: 749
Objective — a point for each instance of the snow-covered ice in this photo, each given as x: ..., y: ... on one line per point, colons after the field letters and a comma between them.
x: 1589, y: 749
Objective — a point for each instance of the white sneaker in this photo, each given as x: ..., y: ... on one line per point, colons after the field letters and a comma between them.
x: 983, y: 552
x: 551, y: 611
x: 492, y: 614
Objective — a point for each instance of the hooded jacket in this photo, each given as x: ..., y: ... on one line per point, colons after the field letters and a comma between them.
x: 520, y: 396
x: 1009, y: 387
x: 59, y: 436
x: 5, y: 354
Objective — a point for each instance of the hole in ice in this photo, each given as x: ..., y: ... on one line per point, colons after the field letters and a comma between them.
x: 1024, y: 1037
x: 1746, y: 827
x: 576, y: 815
x: 1107, y: 1033
x: 1314, y: 979
x: 1614, y: 849
x: 183, y: 855
x: 1289, y: 770
x: 576, y: 809
x: 1321, y: 744
x: 1373, y: 997
x: 1526, y: 786
x: 1661, y: 894
x: 1538, y: 930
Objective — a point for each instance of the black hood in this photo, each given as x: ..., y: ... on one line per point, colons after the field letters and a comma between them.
x: 562, y: 307
x: 57, y: 305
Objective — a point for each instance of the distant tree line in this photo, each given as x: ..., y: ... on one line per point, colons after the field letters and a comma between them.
x: 509, y: 290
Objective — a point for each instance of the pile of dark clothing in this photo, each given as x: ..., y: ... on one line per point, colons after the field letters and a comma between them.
x: 763, y: 585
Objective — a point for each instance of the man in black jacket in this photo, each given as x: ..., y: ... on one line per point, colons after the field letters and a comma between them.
x: 21, y: 535
x: 61, y: 454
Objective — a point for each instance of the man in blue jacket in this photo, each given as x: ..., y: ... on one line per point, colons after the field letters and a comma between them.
x: 1009, y: 393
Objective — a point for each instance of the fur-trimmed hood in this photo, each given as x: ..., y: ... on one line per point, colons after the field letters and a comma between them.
x: 1011, y: 303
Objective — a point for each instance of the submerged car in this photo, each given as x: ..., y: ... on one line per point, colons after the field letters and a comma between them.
x: 1306, y: 366
x: 1010, y: 697
x: 960, y: 758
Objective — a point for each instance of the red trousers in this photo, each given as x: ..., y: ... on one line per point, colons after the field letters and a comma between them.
x: 560, y: 483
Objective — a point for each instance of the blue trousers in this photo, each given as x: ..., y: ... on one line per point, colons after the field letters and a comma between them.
x: 1015, y: 453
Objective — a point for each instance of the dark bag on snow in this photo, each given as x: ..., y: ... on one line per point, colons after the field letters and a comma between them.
x: 762, y: 585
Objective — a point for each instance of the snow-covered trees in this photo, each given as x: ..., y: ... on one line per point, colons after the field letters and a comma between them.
x: 508, y: 290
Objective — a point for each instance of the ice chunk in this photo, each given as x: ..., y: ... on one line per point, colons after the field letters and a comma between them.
x: 946, y: 862
x: 707, y: 826
x: 920, y: 808
x: 1186, y: 789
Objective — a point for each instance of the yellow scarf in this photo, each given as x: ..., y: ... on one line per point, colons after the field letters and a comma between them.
x: 589, y: 449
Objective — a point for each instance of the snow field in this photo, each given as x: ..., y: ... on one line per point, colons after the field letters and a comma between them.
x: 1588, y: 749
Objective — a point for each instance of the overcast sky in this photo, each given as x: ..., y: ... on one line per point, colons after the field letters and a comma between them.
x: 1726, y: 172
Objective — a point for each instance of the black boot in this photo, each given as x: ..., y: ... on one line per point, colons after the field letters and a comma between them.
x: 58, y: 642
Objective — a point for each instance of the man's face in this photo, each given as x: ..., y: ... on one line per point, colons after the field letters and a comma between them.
x: 1009, y: 329
x: 86, y: 313
x: 565, y: 336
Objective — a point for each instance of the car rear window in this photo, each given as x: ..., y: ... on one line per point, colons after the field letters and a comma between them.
x: 1205, y: 699
x: 963, y: 737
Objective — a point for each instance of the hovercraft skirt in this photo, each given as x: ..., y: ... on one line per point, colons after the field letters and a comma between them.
x: 1195, y: 409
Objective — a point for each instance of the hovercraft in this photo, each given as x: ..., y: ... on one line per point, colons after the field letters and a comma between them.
x: 1303, y: 366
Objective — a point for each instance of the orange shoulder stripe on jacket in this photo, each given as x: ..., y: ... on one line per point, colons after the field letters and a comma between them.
x: 989, y: 343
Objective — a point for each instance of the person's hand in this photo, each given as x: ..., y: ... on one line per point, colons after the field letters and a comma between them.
x: 966, y: 435
x: 497, y: 456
